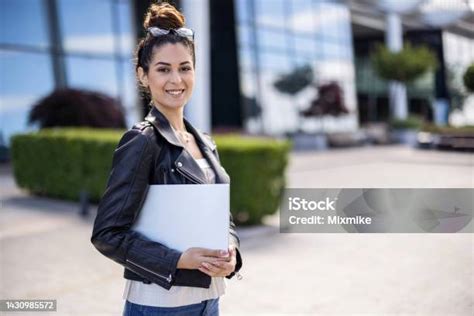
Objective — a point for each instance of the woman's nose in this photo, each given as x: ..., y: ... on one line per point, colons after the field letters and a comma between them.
x: 175, y: 77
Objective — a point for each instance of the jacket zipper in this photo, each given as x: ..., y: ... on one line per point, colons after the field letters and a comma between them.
x: 165, y: 180
x: 168, y: 278
x: 189, y: 176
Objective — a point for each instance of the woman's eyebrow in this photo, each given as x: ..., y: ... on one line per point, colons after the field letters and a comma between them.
x: 168, y: 64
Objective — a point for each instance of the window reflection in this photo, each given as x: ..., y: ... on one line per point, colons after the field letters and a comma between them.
x: 270, y: 12
x: 243, y: 10
x: 23, y: 22
x: 289, y: 34
x: 25, y: 78
x: 127, y: 40
x: 93, y: 74
x: 272, y: 39
x: 86, y: 26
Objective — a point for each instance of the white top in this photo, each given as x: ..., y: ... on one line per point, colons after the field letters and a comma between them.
x: 154, y: 295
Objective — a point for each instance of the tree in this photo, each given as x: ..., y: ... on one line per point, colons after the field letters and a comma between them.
x: 468, y: 78
x: 405, y: 65
x: 72, y: 107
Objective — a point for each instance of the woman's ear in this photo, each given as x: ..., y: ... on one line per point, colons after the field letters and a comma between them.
x: 142, y: 77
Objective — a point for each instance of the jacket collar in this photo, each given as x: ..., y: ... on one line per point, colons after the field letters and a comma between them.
x: 185, y: 161
x: 161, y: 123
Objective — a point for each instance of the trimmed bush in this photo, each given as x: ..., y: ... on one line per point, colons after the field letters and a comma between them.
x: 403, y: 66
x: 467, y: 130
x: 411, y: 122
x: 257, y: 170
x: 468, y: 78
x: 61, y: 163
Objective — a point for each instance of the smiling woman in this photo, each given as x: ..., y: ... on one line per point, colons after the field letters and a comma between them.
x: 163, y: 149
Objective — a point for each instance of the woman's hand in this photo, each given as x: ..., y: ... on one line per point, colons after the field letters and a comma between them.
x: 193, y: 257
x: 220, y: 268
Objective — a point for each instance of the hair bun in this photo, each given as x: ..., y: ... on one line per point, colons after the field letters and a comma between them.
x: 164, y: 16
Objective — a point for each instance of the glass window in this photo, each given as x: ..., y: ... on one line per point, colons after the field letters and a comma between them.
x: 305, y: 44
x: 272, y: 39
x: 128, y: 91
x: 336, y: 51
x: 270, y: 13
x: 23, y: 22
x: 273, y: 61
x: 93, y: 74
x: 245, y: 35
x: 246, y: 58
x: 301, y: 19
x: 243, y: 10
x: 86, y: 26
x: 127, y: 39
x: 25, y: 78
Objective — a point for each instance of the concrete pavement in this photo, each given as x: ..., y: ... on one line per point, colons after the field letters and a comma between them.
x: 45, y: 250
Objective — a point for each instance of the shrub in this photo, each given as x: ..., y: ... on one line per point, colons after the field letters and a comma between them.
x: 257, y: 170
x: 404, y: 66
x: 412, y: 122
x: 71, y: 107
x: 468, y: 78
x: 467, y: 130
x: 61, y: 163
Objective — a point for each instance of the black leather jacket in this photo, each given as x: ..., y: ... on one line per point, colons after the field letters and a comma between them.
x: 149, y: 153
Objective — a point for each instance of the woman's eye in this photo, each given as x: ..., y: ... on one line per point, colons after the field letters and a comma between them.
x: 186, y: 68
x: 163, y: 69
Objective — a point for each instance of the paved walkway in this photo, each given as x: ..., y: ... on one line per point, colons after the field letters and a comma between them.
x: 45, y: 250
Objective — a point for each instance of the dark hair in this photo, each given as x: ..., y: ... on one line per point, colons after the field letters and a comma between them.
x: 164, y: 16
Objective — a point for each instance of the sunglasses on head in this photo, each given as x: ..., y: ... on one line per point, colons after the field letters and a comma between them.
x: 183, y: 32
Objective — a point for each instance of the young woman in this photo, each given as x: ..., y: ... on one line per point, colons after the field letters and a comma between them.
x: 163, y: 149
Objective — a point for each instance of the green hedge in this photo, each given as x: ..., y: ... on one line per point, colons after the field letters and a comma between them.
x: 257, y: 171
x: 467, y: 130
x: 61, y: 163
x: 411, y: 122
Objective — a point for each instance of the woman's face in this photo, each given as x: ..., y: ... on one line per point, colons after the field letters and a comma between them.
x: 170, y: 76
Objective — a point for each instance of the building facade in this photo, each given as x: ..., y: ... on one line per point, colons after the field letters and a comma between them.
x: 262, y: 64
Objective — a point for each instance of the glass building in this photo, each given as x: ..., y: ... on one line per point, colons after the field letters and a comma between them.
x: 263, y: 63
x: 49, y: 44
x: 278, y: 37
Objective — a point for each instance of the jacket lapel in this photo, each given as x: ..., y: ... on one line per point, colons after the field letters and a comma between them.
x: 185, y: 162
x: 208, y: 148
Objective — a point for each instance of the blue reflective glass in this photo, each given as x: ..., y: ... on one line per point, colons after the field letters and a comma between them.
x: 25, y: 78
x: 273, y: 61
x: 23, y: 22
x: 270, y: 12
x: 305, y: 44
x: 243, y: 10
x: 92, y: 74
x: 272, y: 39
x: 244, y: 33
x: 86, y: 26
x: 128, y: 91
x: 247, y: 58
x: 301, y: 16
x: 127, y: 38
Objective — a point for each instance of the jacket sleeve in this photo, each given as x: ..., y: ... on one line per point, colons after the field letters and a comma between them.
x: 234, y: 241
x: 233, y: 236
x: 125, y: 193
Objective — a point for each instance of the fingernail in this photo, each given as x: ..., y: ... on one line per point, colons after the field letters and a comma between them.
x: 224, y: 252
x: 205, y: 265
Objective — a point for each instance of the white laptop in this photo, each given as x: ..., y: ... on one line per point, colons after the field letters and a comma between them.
x: 182, y: 216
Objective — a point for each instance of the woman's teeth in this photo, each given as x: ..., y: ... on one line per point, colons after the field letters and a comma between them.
x: 174, y: 92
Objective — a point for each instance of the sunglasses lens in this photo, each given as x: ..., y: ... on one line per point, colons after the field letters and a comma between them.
x: 186, y: 33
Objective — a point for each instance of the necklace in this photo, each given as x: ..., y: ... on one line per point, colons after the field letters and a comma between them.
x: 184, y: 136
